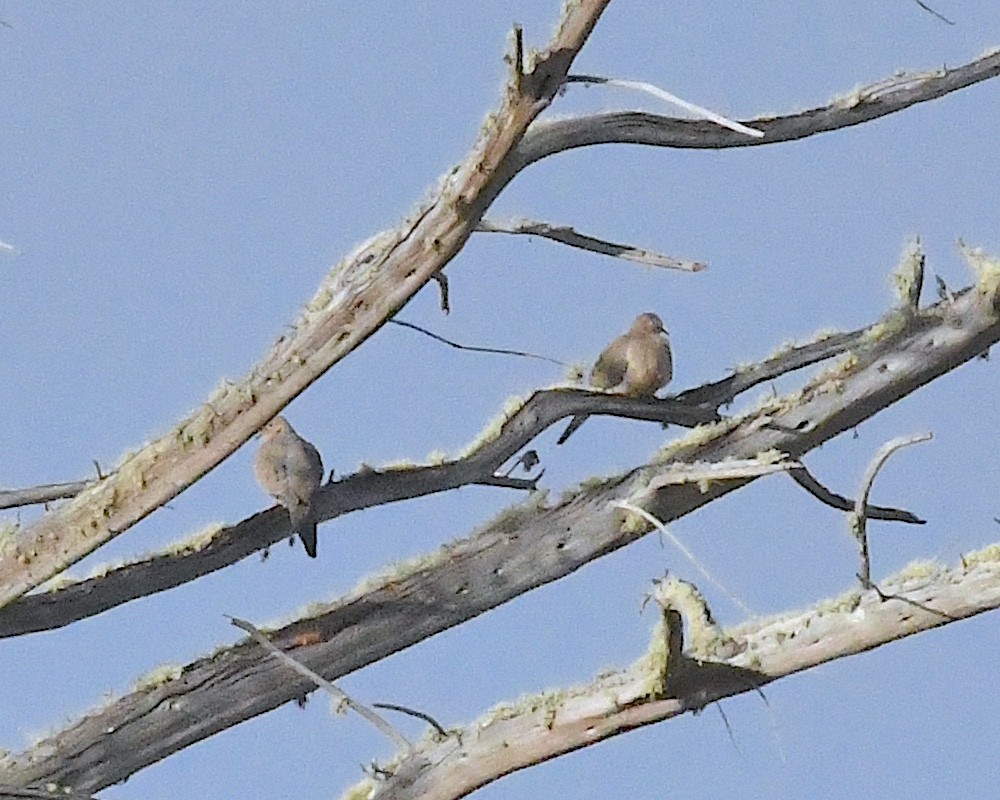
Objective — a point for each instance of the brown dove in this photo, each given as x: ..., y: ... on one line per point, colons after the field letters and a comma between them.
x: 637, y: 363
x: 290, y: 470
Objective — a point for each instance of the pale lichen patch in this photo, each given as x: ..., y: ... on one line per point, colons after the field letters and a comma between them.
x: 159, y: 676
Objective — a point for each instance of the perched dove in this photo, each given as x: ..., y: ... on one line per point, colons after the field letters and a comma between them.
x: 290, y: 470
x: 638, y: 364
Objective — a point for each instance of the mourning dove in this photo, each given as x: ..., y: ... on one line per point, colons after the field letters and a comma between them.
x: 637, y: 363
x: 290, y: 470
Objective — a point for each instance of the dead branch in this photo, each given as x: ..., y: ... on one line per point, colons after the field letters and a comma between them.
x: 665, y: 683
x: 359, y: 294
x: 859, y: 516
x: 807, y: 481
x: 364, y: 489
x: 46, y: 493
x: 660, y: 94
x: 474, y: 349
x: 338, y: 694
x: 564, y: 234
x: 934, y: 13
x: 75, y: 601
x: 370, y: 284
x: 527, y: 547
x: 547, y: 137
x: 438, y: 728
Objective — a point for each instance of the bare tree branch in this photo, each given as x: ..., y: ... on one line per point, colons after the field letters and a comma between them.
x: 859, y: 516
x: 368, y: 287
x: 338, y: 694
x: 438, y: 728
x: 667, y: 97
x: 932, y: 12
x: 525, y: 547
x: 46, y: 493
x: 569, y: 236
x: 474, y: 349
x: 547, y: 137
x: 187, y: 561
x: 442, y: 281
x: 663, y: 684
x: 808, y: 481
x: 78, y: 600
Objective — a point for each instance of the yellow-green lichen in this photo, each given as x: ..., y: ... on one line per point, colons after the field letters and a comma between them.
x: 492, y: 429
x: 159, y: 676
x: 985, y: 267
x: 362, y: 790
x: 8, y: 536
x: 918, y: 570
x: 989, y: 555
x: 575, y: 372
x: 909, y: 272
x: 696, y: 437
x: 890, y: 326
x: 654, y: 664
x: 845, y: 603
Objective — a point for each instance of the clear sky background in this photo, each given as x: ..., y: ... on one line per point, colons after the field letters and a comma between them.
x: 177, y: 177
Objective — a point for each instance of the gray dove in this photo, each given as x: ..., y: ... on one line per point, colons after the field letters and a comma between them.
x: 638, y: 364
x: 290, y: 470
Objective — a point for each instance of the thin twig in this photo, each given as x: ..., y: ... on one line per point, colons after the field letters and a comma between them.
x: 338, y: 694
x: 729, y: 728
x: 442, y: 281
x: 518, y: 65
x: 15, y: 498
x: 564, y: 234
x: 859, y: 517
x: 457, y: 346
x: 801, y: 475
x: 931, y: 11
x: 662, y: 528
x: 884, y: 596
x: 507, y: 482
x: 414, y: 713
x: 661, y: 94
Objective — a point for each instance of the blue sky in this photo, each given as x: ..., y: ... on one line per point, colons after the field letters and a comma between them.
x: 177, y: 179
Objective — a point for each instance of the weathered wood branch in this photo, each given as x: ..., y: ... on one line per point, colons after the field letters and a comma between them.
x: 564, y: 234
x: 46, y: 493
x: 522, y: 549
x: 366, y: 288
x: 548, y: 137
x: 185, y: 562
x: 808, y: 481
x: 657, y: 688
x: 182, y: 563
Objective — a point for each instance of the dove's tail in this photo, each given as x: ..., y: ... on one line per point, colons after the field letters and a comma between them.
x: 304, y: 524
x: 307, y: 533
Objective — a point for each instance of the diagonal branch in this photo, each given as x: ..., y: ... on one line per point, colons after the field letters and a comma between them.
x: 664, y: 684
x: 338, y: 694
x: 185, y: 562
x: 524, y: 548
x: 564, y: 234
x: 46, y: 493
x: 357, y: 297
x: 804, y: 478
x: 82, y: 599
x: 547, y: 137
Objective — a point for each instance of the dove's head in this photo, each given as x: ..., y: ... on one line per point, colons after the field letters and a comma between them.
x: 275, y: 427
x: 648, y: 324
